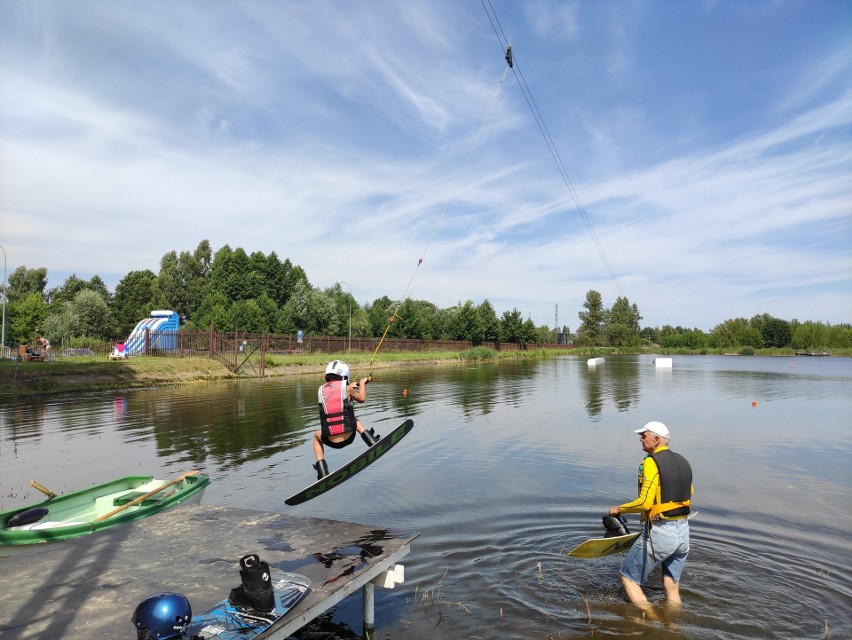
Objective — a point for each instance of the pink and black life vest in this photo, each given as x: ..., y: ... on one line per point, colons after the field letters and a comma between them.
x: 337, y: 415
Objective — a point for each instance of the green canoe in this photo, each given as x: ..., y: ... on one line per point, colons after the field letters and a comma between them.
x: 78, y: 513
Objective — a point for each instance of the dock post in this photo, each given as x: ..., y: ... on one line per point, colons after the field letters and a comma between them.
x: 369, y: 609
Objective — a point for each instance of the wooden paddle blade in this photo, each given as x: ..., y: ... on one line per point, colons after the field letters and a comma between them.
x: 42, y: 488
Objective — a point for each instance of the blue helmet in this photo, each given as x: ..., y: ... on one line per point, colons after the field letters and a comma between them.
x: 162, y: 616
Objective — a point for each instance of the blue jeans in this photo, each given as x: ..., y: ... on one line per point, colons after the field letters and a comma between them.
x: 668, y: 545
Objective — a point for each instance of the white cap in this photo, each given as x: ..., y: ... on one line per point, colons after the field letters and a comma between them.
x: 655, y: 427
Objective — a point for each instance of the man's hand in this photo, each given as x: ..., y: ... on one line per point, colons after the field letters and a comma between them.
x: 614, y: 511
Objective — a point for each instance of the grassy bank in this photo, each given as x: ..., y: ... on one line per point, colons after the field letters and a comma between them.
x: 92, y: 374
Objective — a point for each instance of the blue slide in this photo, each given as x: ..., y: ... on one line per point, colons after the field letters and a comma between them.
x: 158, y: 322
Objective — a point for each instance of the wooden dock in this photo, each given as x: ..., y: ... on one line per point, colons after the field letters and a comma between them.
x: 89, y: 587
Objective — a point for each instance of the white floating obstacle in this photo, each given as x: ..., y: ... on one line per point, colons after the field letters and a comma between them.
x: 593, y: 362
x: 663, y: 363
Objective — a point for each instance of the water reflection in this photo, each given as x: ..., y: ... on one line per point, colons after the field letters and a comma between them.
x: 235, y: 424
x: 615, y: 380
x: 23, y: 421
x: 508, y: 466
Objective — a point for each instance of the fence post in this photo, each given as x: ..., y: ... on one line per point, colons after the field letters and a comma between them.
x: 212, y: 348
x: 263, y: 339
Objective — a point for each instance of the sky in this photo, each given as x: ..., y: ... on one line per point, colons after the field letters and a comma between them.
x: 693, y: 157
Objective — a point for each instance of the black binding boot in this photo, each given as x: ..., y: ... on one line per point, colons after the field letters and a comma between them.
x: 255, y: 592
x: 322, y: 468
x: 370, y: 437
x: 615, y: 526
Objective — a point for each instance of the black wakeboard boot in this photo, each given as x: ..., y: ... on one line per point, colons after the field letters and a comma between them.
x: 370, y: 437
x: 322, y: 468
x: 255, y: 592
x: 615, y: 526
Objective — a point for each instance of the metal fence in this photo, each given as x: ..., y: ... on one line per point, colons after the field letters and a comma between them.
x: 233, y: 347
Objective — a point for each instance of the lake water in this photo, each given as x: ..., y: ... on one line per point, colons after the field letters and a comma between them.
x: 508, y: 467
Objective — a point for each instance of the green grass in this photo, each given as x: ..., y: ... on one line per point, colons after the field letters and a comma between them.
x: 93, y: 373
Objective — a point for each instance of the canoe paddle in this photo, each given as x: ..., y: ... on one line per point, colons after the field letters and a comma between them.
x: 136, y: 501
x: 42, y: 488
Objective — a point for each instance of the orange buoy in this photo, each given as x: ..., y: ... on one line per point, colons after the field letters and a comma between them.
x: 405, y: 392
x: 754, y: 403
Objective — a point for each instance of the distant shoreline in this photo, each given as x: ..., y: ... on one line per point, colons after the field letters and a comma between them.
x: 94, y: 375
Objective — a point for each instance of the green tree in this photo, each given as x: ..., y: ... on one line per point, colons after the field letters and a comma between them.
x: 775, y: 332
x: 512, y: 327
x: 840, y: 336
x: 593, y: 321
x: 277, y: 278
x: 269, y: 310
x: 238, y: 275
x: 23, y: 282
x: 465, y: 323
x: 214, y: 309
x: 135, y: 297
x: 810, y: 335
x: 738, y: 332
x: 86, y: 316
x: 529, y: 332
x: 490, y: 322
x: 68, y: 290
x: 378, y: 314
x: 183, y: 277
x: 246, y: 316
x: 414, y: 320
x: 545, y: 334
x: 345, y: 307
x: 26, y: 317
x: 684, y: 339
x: 360, y: 322
x: 308, y: 310
x: 623, y: 324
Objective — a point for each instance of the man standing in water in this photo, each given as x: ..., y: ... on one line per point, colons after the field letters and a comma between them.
x: 665, y: 491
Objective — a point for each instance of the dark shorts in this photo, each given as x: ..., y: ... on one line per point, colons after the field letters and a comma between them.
x: 338, y: 445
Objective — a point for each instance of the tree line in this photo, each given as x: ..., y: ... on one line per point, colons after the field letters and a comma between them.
x: 235, y: 290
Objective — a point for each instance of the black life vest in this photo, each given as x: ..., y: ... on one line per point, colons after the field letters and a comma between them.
x: 337, y: 415
x: 675, y: 484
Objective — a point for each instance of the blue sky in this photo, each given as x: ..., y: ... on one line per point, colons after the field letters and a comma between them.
x: 708, y: 142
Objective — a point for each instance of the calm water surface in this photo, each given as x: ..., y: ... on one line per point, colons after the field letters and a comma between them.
x: 508, y: 467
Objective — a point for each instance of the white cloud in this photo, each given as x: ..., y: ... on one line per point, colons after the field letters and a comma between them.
x: 341, y: 129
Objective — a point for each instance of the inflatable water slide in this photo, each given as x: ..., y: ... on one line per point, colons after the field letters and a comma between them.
x: 160, y: 321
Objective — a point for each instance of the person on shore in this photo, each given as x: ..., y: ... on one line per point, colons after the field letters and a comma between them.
x: 337, y: 413
x: 43, y: 344
x: 665, y: 494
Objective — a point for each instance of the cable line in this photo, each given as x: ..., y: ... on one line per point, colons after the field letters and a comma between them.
x: 394, y: 314
x: 512, y: 63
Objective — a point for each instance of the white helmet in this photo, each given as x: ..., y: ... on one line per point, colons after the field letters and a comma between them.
x: 338, y: 368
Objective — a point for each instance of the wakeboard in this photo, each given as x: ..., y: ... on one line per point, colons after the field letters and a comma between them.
x: 352, y: 467
x: 599, y: 547
x: 227, y: 622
